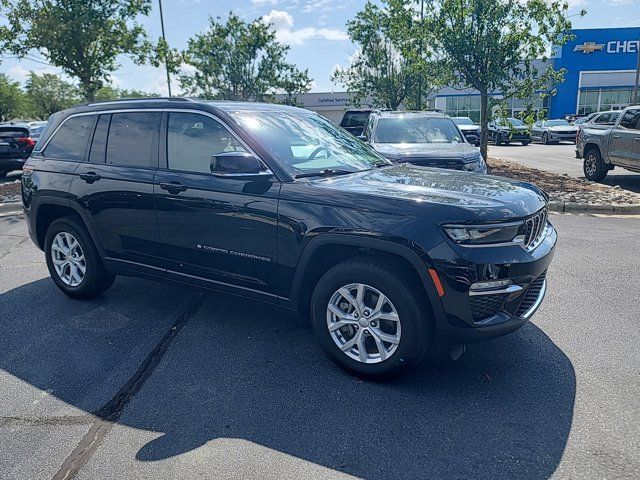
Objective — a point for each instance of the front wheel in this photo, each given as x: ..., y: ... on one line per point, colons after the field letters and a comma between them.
x: 545, y: 138
x: 496, y: 139
x: 593, y: 166
x: 73, y: 260
x: 370, y: 320
x: 526, y: 142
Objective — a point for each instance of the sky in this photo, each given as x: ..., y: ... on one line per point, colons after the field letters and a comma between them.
x: 314, y: 29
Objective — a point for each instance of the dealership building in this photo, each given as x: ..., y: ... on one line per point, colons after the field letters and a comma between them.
x: 600, y: 73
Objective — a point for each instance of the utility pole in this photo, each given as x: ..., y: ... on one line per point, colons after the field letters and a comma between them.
x: 634, y: 100
x: 421, y: 52
x: 166, y: 64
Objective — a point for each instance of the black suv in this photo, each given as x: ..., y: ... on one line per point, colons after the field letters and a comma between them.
x: 353, y: 121
x: 427, y: 139
x: 278, y: 204
x: 16, y: 144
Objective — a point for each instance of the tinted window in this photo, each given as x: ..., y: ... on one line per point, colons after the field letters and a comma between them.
x: 354, y: 119
x: 70, y: 141
x: 132, y: 137
x: 630, y: 119
x: 98, y: 146
x: 192, y: 139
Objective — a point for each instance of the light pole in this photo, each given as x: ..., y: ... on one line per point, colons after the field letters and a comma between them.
x: 166, y: 63
x: 634, y: 100
x: 420, y: 55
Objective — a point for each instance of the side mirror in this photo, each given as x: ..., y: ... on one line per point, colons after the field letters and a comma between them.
x: 471, y: 138
x: 237, y: 165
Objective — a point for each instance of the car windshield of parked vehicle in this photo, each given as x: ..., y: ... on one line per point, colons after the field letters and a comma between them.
x: 556, y: 123
x: 306, y: 143
x: 463, y: 121
x: 417, y: 129
x: 509, y: 122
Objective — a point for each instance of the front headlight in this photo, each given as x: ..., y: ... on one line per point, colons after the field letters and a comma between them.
x: 484, y: 234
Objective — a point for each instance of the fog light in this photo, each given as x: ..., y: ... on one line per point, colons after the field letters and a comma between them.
x: 492, y: 284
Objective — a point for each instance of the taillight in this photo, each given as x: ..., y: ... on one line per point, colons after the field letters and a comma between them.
x: 26, y: 141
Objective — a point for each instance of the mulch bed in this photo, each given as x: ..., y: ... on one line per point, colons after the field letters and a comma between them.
x: 564, y: 188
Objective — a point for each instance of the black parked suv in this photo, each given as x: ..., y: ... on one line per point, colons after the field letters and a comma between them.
x: 278, y: 204
x: 353, y: 121
x: 427, y: 139
x: 16, y: 144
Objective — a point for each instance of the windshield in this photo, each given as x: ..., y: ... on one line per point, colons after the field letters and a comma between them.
x: 417, y: 130
x: 556, y: 123
x: 513, y: 121
x: 355, y: 119
x: 463, y: 121
x: 306, y: 143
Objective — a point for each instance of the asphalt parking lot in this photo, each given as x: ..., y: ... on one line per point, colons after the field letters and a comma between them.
x: 560, y: 158
x: 157, y: 381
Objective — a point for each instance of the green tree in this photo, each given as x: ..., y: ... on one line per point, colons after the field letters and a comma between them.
x: 83, y: 38
x: 109, y: 92
x: 236, y: 60
x: 48, y: 93
x: 390, y: 64
x: 11, y: 99
x: 491, y: 46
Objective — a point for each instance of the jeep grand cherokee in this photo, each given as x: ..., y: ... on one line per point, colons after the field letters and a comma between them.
x: 277, y: 204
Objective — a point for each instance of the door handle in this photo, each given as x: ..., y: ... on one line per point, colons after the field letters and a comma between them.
x: 637, y: 139
x: 90, y: 177
x: 615, y: 136
x: 174, y: 187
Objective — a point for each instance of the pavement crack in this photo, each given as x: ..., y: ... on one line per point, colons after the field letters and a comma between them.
x: 21, y: 242
x: 63, y: 420
x: 107, y: 415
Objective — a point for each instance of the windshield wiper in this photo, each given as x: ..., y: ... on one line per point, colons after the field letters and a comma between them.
x: 327, y: 172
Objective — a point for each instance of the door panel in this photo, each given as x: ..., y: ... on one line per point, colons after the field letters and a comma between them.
x: 624, y: 141
x: 220, y: 229
x: 118, y: 197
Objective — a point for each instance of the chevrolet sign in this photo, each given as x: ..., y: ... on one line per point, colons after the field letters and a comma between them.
x: 589, y: 47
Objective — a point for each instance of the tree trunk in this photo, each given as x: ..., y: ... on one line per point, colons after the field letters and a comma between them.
x: 484, y: 122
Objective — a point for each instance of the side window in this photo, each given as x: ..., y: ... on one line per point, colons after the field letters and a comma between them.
x: 70, y: 141
x: 132, y: 138
x: 630, y: 119
x: 192, y: 139
x: 99, y: 143
x: 602, y: 119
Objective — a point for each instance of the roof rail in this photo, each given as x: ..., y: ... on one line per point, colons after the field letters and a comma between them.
x: 141, y: 99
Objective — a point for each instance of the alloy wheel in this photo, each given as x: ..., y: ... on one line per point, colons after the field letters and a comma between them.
x: 590, y: 164
x: 363, y: 323
x: 68, y: 259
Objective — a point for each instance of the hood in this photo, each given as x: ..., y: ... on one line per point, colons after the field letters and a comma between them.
x: 466, y: 128
x: 566, y: 128
x: 522, y: 128
x: 490, y: 198
x: 406, y: 151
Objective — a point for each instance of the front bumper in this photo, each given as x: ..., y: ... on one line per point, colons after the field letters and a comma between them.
x: 562, y: 137
x: 489, y: 314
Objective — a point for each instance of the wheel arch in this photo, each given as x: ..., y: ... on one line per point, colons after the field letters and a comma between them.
x: 327, y: 250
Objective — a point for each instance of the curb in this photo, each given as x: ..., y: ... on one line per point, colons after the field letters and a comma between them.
x: 11, y: 207
x: 603, y: 209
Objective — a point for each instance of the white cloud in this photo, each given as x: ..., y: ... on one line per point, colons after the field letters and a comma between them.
x: 283, y: 24
x: 264, y: 2
x: 622, y: 2
x: 313, y: 6
x: 21, y: 74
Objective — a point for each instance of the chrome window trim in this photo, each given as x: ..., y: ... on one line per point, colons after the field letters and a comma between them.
x: 168, y: 110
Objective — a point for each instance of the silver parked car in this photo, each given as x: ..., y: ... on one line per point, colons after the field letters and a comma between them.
x: 553, y: 131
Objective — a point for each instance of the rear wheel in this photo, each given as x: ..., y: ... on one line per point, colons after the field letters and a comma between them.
x: 526, y: 142
x: 73, y: 260
x: 496, y: 139
x: 593, y: 166
x: 370, y: 320
x: 545, y: 138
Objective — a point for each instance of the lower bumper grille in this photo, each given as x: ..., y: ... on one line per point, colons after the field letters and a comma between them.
x: 484, y: 306
x: 532, y: 295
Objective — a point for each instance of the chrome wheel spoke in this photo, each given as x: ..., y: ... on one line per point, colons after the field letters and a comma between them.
x: 379, y: 345
x: 362, y: 349
x: 386, y: 337
x: 350, y: 344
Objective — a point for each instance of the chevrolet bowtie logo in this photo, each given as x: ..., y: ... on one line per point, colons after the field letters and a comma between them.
x: 589, y: 47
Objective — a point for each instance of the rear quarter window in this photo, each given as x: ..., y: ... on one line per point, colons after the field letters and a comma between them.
x: 70, y: 141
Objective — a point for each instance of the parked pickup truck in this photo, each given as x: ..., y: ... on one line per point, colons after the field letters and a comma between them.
x: 604, y: 148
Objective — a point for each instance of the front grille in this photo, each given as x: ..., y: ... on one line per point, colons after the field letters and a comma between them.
x: 483, y: 306
x: 534, y: 228
x: 531, y: 295
x: 448, y: 163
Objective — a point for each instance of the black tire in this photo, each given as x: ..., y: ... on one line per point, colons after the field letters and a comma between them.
x: 545, y: 138
x: 96, y: 278
x: 410, y: 305
x: 496, y: 139
x: 593, y: 166
x: 526, y: 142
